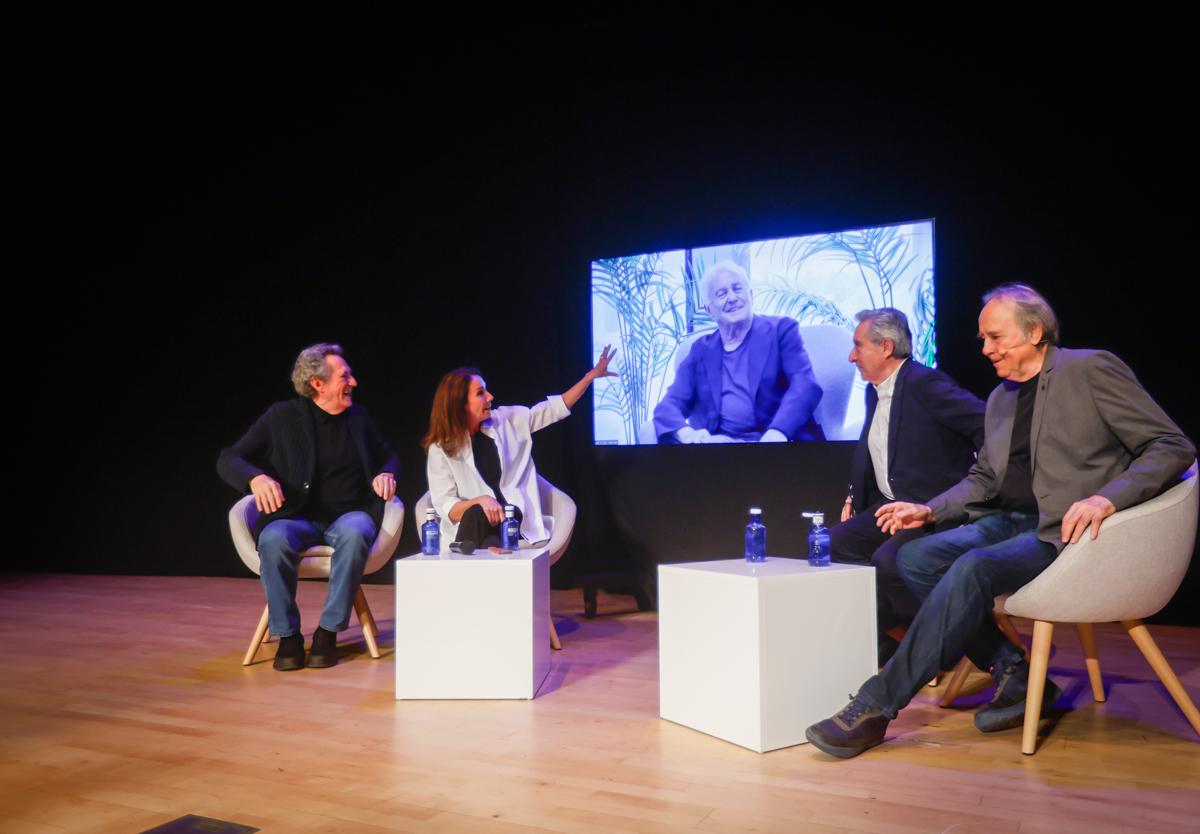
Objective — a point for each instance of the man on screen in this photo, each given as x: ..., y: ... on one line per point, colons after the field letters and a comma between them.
x: 749, y: 381
x: 320, y: 473
x: 919, y: 438
x: 1070, y: 437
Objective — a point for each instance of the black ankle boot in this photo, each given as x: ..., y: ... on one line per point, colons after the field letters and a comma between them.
x: 323, y: 653
x: 290, y: 654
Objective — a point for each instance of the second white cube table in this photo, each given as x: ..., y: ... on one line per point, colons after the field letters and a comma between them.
x: 472, y: 626
x: 754, y: 653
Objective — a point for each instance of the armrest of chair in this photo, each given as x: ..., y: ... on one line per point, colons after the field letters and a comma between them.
x: 1130, y: 571
x: 388, y: 537
x: 559, y: 506
x: 242, y: 516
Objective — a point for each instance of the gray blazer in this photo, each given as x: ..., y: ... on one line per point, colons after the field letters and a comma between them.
x: 1095, y: 431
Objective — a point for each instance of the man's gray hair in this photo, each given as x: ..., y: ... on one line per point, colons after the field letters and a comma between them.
x: 716, y: 269
x: 888, y: 323
x: 1030, y: 308
x: 311, y: 363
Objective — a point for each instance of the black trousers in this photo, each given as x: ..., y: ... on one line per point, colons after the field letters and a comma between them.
x: 858, y: 541
x: 474, y: 526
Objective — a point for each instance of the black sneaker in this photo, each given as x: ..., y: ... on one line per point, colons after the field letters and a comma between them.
x: 323, y: 653
x: 290, y: 654
x: 1007, y: 707
x: 855, y: 729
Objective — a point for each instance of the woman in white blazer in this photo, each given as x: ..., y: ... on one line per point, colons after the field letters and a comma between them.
x: 480, y: 458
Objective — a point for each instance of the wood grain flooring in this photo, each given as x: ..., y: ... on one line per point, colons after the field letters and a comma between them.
x: 125, y: 705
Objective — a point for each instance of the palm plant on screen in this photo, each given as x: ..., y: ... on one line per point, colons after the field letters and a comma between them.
x: 924, y: 340
x: 778, y: 296
x: 878, y: 256
x: 650, y: 327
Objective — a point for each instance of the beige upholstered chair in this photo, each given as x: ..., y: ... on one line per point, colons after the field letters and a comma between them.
x: 1126, y: 574
x: 314, y: 564
x: 557, y: 505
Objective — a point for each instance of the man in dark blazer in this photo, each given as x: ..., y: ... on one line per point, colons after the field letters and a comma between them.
x: 1070, y: 438
x: 749, y: 381
x: 320, y: 473
x: 922, y: 442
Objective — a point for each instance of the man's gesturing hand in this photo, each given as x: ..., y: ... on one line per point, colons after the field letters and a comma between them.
x: 901, y: 515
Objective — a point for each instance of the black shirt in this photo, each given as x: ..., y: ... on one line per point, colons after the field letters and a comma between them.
x: 487, y: 462
x: 339, y: 484
x: 1016, y: 492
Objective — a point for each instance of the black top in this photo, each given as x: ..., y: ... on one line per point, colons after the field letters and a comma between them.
x: 1016, y: 492
x: 282, y: 443
x: 487, y: 462
x: 338, y: 485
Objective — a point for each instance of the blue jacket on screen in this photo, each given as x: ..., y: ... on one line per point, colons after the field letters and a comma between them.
x: 787, y: 391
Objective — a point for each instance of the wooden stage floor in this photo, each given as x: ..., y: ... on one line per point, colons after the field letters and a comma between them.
x: 125, y: 705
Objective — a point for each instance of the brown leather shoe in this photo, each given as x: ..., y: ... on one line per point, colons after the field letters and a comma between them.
x: 854, y: 729
x: 323, y: 653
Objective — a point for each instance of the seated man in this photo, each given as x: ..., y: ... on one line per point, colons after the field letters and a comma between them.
x: 1070, y: 438
x: 748, y: 381
x: 320, y: 473
x: 919, y: 438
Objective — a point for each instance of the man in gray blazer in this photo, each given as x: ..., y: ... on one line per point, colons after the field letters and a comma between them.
x: 1070, y: 438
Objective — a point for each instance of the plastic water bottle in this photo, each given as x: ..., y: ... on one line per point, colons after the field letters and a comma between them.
x: 510, y: 529
x: 431, y: 534
x: 818, y: 540
x: 756, y: 537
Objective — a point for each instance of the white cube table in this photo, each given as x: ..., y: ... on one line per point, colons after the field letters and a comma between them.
x: 755, y: 653
x: 472, y: 626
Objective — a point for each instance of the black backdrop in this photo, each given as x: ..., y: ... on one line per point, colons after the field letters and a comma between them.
x: 203, y: 192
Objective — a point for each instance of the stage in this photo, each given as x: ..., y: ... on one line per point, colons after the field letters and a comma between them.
x: 125, y: 706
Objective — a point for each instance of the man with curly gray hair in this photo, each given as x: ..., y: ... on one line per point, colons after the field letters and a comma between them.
x: 320, y: 472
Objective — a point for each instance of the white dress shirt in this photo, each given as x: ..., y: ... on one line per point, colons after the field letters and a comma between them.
x: 455, y: 478
x: 877, y: 437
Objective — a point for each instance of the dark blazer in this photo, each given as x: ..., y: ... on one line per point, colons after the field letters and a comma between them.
x: 787, y: 391
x: 283, y: 444
x: 1095, y: 431
x: 934, y: 430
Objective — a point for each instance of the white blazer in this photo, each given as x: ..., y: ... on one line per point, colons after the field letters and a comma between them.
x: 455, y: 478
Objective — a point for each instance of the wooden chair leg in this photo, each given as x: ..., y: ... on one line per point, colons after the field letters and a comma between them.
x: 260, y: 635
x: 1010, y: 631
x: 367, y: 622
x: 1141, y: 636
x: 555, y: 643
x: 1039, y: 662
x: 1087, y: 638
x: 370, y: 617
x: 957, y: 678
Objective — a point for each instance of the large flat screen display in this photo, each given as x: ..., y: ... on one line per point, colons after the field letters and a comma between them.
x: 750, y: 342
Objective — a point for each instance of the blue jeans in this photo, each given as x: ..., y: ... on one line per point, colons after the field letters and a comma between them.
x: 958, y: 573
x: 350, y: 536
